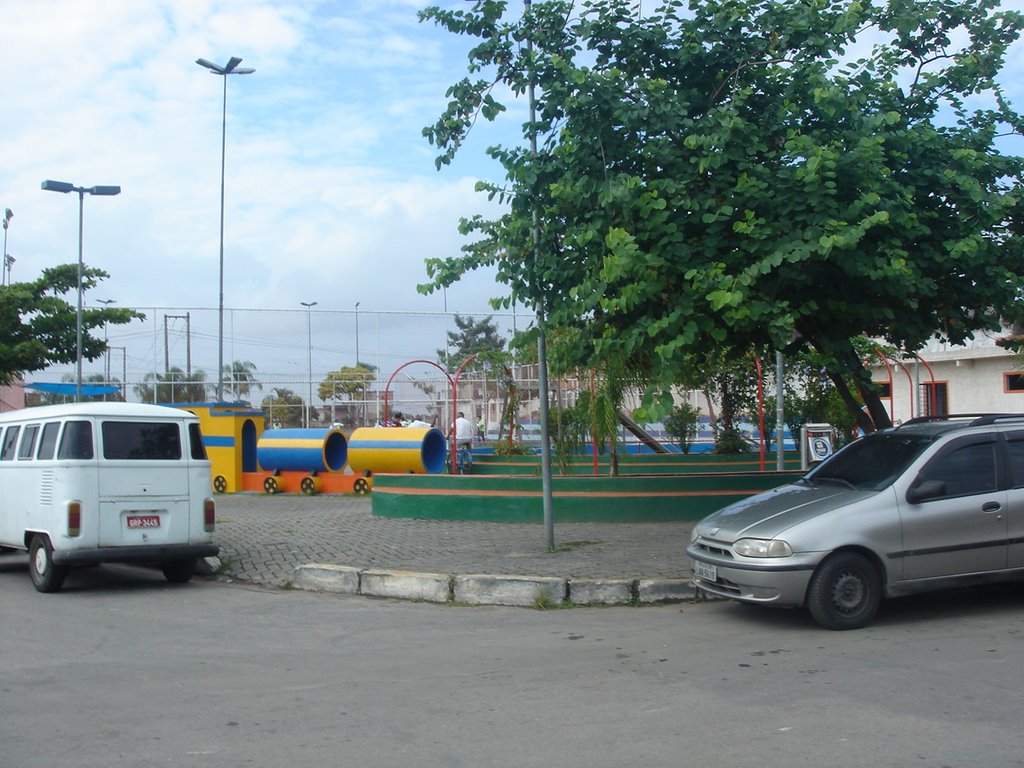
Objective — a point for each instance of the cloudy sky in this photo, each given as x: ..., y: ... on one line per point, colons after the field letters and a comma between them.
x: 331, y: 191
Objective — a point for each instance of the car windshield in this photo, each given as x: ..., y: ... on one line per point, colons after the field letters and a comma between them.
x: 871, y: 463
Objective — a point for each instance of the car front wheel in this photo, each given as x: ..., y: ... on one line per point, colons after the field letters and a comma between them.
x: 845, y: 592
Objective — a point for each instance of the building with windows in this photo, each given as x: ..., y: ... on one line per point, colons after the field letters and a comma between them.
x: 977, y: 377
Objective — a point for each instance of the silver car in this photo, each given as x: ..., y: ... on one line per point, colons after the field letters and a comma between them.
x: 929, y: 505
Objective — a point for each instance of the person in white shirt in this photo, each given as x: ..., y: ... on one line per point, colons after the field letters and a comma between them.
x: 463, y: 432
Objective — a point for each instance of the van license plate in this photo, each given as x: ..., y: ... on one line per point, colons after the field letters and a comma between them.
x: 705, y: 571
x: 143, y: 521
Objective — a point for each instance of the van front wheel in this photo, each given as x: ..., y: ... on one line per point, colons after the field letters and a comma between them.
x: 179, y: 571
x: 46, y: 577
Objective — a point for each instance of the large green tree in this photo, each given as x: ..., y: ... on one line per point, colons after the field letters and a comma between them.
x: 38, y: 325
x: 472, y: 337
x: 285, y: 408
x: 735, y: 173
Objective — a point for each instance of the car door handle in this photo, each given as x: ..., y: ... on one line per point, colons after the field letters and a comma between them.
x: 991, y: 506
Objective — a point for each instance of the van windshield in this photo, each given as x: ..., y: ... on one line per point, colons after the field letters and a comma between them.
x: 141, y: 441
x: 870, y: 463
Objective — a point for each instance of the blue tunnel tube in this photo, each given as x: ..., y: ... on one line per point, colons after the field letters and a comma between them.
x: 302, y: 450
x: 397, y: 450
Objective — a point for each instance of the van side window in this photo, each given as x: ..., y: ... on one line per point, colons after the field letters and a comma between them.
x: 10, y: 441
x: 133, y: 440
x: 28, y: 442
x: 967, y: 470
x: 48, y: 441
x: 76, y: 442
x: 195, y: 440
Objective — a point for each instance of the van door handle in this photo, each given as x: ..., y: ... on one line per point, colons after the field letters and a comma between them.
x: 991, y: 506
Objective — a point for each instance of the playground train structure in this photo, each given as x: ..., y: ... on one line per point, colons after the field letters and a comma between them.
x: 246, y: 457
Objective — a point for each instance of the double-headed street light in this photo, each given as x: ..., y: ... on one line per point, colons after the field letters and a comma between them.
x: 231, y: 68
x: 8, y: 261
x: 65, y: 187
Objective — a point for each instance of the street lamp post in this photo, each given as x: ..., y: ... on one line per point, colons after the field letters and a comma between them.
x: 65, y: 187
x: 106, y: 367
x: 362, y: 393
x: 231, y: 68
x: 8, y: 261
x: 309, y: 356
x: 357, y: 334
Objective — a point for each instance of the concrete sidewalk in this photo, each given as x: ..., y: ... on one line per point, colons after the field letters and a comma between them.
x: 334, y: 543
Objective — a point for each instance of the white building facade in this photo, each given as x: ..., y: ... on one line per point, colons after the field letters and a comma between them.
x: 978, y: 377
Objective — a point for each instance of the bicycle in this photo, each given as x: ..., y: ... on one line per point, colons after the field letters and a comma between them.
x: 463, y: 460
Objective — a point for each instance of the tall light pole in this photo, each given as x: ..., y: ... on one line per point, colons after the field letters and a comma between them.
x: 8, y: 261
x: 362, y: 393
x: 231, y: 68
x: 357, y: 334
x: 106, y: 355
x: 65, y: 187
x: 309, y: 356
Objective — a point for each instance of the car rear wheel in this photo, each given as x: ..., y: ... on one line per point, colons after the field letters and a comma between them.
x: 46, y: 577
x: 845, y: 592
x: 179, y: 571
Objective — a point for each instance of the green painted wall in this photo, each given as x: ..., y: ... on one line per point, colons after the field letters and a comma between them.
x: 635, y: 464
x: 517, y: 499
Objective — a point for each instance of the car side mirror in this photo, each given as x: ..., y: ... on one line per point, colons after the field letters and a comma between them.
x: 928, y: 489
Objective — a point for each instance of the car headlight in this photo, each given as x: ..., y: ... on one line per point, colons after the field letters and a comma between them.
x: 762, y: 548
x: 694, y: 535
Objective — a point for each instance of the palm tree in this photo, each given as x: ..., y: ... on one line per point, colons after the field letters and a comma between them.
x: 239, y: 379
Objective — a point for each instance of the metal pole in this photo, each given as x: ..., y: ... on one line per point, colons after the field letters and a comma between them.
x: 362, y: 391
x: 542, y: 355
x: 5, y: 271
x: 357, y: 334
x: 309, y: 357
x: 106, y: 345
x: 78, y: 318
x: 780, y: 415
x: 220, y: 302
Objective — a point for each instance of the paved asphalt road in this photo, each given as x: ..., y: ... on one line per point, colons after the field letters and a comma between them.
x: 263, y: 538
x: 123, y: 670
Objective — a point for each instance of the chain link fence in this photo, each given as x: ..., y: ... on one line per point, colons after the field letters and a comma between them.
x: 289, y: 352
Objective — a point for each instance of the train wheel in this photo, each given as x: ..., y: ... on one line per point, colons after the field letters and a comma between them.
x: 361, y: 486
x: 270, y: 485
x: 308, y: 486
x: 220, y: 484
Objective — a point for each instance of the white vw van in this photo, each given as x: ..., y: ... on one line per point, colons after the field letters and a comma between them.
x: 104, y: 482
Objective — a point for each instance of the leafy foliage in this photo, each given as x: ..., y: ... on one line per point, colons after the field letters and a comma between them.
x: 38, y: 327
x: 174, y: 386
x: 240, y: 379
x: 724, y: 174
x: 683, y: 424
x: 346, y: 382
x: 284, y: 408
x: 473, y: 337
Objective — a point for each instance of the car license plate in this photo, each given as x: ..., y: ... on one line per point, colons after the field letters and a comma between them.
x: 705, y: 571
x: 143, y: 521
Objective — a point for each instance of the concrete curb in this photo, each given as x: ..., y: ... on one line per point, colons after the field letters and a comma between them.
x: 488, y: 589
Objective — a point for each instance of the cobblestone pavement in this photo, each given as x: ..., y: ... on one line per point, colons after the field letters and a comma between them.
x: 263, y: 538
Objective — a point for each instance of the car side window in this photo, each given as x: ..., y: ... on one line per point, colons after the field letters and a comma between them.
x: 966, y: 470
x: 1015, y: 449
